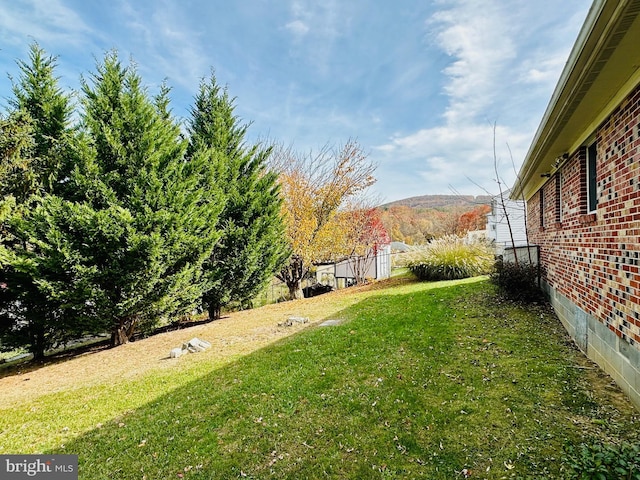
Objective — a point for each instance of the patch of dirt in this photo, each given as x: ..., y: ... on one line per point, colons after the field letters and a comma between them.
x: 237, y: 334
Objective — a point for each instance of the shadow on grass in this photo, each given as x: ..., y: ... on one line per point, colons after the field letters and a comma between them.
x: 425, y: 384
x: 64, y: 354
x: 27, y: 364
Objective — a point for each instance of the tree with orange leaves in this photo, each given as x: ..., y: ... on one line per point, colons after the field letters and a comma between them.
x: 475, y: 219
x: 366, y: 234
x: 315, y: 189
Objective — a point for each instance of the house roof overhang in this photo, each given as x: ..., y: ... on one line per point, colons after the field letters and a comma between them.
x: 602, y: 69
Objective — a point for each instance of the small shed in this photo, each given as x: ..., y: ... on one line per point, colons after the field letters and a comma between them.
x: 376, y: 265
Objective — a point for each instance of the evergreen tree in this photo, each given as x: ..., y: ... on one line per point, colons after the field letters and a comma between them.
x: 35, y: 143
x: 17, y: 178
x: 253, y: 246
x: 32, y: 313
x: 38, y: 94
x: 123, y: 223
x: 166, y: 209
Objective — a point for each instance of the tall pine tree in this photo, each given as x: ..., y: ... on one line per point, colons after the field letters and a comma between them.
x: 253, y: 245
x: 38, y: 93
x: 168, y: 207
x: 119, y: 241
x: 35, y: 144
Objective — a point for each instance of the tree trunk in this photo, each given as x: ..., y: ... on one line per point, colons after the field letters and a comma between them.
x: 118, y: 337
x: 295, y: 289
x: 214, y: 310
x: 38, y: 346
x: 292, y: 274
x: 212, y: 302
x: 123, y: 331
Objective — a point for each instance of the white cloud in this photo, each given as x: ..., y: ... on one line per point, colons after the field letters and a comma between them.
x: 320, y: 24
x: 460, y: 148
x: 543, y: 64
x: 169, y: 44
x: 477, y: 38
x: 298, y: 28
x: 446, y: 168
x: 387, y: 148
x: 45, y: 21
x: 545, y: 71
x: 445, y: 156
x: 486, y: 81
x: 471, y: 144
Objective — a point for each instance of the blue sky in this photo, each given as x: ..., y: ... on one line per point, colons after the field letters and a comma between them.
x: 420, y: 84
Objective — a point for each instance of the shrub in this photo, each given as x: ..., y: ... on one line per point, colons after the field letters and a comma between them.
x: 450, y: 258
x: 603, y: 461
x: 517, y: 282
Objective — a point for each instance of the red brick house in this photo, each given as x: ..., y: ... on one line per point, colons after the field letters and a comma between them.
x: 581, y: 182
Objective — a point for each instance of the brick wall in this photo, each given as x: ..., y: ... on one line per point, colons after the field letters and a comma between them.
x: 594, y: 259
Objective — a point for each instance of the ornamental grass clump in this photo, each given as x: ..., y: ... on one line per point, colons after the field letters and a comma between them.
x: 451, y: 258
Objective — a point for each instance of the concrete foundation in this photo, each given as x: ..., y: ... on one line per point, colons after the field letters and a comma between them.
x: 613, y: 354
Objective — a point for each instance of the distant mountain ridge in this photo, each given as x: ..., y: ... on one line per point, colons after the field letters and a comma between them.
x: 441, y: 201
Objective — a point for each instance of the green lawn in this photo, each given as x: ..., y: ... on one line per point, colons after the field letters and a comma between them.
x: 422, y: 380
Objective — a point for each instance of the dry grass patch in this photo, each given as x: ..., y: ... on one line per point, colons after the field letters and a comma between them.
x: 234, y: 335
